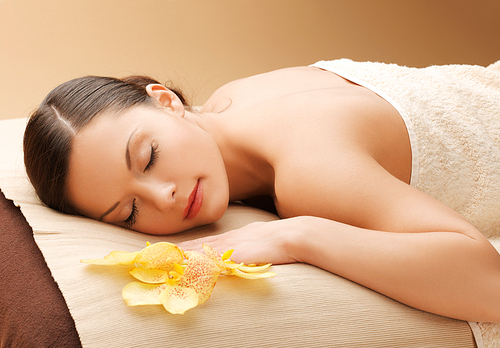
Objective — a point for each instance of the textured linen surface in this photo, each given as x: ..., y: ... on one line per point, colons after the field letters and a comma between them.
x: 301, y: 306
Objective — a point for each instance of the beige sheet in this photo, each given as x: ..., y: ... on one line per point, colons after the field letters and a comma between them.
x: 301, y: 306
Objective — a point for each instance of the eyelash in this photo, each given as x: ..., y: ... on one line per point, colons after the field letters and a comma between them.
x: 153, y: 158
x: 133, y: 216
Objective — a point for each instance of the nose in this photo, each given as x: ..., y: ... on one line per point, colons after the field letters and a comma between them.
x: 162, y: 195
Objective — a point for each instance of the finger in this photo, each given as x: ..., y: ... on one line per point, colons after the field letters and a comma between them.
x: 197, y: 244
x: 193, y: 245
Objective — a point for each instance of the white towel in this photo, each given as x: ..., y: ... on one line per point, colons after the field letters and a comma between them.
x: 452, y: 114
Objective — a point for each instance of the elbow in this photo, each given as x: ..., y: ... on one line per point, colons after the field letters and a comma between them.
x: 480, y: 295
x: 490, y: 303
x: 489, y: 306
x: 488, y: 310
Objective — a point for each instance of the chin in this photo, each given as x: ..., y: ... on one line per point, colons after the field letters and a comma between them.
x: 216, y: 212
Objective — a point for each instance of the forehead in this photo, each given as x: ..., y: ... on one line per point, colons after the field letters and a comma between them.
x: 111, y: 128
x: 97, y: 160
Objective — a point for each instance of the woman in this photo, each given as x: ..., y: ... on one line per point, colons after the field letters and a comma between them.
x: 339, y: 162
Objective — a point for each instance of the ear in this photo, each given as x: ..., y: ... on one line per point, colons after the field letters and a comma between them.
x: 166, y: 98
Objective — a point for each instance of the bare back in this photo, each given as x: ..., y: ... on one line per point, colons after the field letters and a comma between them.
x: 315, y: 129
x: 336, y: 159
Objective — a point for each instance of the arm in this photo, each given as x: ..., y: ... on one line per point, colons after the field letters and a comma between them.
x: 402, y: 243
x: 446, y: 273
x: 393, y: 239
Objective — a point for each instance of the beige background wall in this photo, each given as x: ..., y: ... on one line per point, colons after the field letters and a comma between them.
x: 203, y: 44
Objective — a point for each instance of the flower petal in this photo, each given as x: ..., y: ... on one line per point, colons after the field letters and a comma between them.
x: 178, y: 268
x: 201, y: 274
x: 241, y: 274
x: 137, y: 294
x: 212, y: 253
x: 151, y: 276
x: 123, y: 257
x: 177, y: 299
x: 161, y: 255
x: 223, y: 261
x: 251, y: 269
x: 117, y: 257
x: 233, y: 265
x: 227, y: 254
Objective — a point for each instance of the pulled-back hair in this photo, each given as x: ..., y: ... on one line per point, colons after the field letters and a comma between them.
x: 50, y: 131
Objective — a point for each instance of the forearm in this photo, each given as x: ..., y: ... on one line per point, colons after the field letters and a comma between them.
x: 446, y: 273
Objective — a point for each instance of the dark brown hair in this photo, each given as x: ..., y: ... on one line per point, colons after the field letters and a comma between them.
x: 62, y: 114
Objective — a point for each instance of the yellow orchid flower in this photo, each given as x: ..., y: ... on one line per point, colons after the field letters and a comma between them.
x: 179, y: 288
x: 173, y: 278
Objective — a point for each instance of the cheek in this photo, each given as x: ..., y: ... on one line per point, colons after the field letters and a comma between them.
x: 158, y: 224
x: 220, y: 207
x: 217, y: 197
x: 190, y: 153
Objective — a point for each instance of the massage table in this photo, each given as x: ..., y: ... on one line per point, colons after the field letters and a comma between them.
x: 50, y: 299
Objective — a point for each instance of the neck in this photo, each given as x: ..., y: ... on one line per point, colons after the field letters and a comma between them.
x: 249, y: 172
x: 249, y: 175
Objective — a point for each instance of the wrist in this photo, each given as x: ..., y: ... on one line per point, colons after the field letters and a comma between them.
x: 297, y: 237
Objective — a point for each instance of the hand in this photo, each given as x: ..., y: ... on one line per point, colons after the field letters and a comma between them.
x: 258, y: 242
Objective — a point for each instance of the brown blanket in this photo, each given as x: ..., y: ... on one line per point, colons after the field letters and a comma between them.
x: 33, y: 312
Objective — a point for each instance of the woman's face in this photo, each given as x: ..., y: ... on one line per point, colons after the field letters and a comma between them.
x: 148, y: 169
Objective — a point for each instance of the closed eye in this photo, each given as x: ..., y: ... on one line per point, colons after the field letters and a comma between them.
x: 153, y: 157
x: 133, y: 216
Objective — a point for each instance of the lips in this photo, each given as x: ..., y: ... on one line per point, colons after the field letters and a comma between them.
x: 194, y: 203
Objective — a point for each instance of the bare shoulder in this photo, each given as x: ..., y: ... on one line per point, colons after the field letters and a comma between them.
x: 352, y: 188
x: 272, y: 84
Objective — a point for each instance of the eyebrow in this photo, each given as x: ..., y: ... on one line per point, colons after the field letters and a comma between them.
x: 127, y: 150
x: 129, y: 166
x: 109, y: 211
